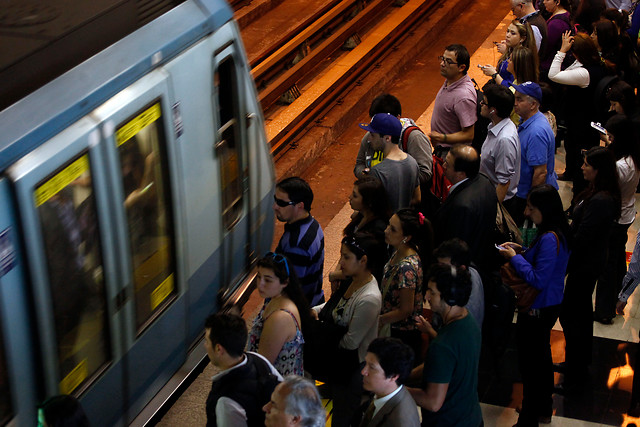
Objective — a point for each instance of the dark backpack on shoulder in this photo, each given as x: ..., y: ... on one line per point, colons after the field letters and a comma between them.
x: 480, y: 128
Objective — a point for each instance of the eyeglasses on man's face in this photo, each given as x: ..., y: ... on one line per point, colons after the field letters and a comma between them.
x: 447, y: 61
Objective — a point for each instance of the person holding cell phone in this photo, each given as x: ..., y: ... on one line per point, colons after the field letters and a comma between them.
x: 594, y: 213
x: 517, y: 35
x: 623, y: 143
x: 543, y: 265
x: 580, y: 79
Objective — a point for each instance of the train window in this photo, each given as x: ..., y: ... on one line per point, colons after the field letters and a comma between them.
x: 67, y: 211
x: 147, y: 204
x: 227, y: 148
x: 6, y: 410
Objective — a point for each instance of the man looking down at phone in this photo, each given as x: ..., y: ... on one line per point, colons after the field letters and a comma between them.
x: 537, y: 146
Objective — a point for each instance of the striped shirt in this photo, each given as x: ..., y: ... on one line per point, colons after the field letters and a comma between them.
x: 303, y: 245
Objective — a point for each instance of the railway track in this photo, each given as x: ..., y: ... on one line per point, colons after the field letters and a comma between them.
x: 301, y: 56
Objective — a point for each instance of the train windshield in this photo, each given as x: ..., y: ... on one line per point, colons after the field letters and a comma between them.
x: 67, y: 212
x: 147, y: 204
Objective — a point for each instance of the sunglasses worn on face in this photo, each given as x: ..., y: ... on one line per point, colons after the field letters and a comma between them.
x: 279, y: 259
x: 283, y: 203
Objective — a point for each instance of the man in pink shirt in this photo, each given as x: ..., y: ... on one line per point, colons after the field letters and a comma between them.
x: 455, y: 109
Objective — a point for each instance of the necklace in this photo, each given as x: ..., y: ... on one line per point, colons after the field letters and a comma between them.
x: 357, y: 285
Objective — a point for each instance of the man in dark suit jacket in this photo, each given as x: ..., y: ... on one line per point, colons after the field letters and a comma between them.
x: 388, y: 364
x: 469, y: 212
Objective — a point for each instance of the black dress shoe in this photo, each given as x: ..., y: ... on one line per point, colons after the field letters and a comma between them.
x: 603, y: 320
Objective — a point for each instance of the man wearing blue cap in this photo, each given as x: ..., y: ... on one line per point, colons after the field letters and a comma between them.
x: 537, y: 146
x: 398, y: 172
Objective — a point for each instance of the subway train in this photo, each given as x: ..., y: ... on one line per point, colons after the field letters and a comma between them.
x: 135, y: 194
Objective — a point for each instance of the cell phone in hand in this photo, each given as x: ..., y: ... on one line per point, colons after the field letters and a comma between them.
x: 597, y: 126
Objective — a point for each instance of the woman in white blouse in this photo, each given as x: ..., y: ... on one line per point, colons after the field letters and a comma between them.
x: 623, y: 143
x: 357, y: 309
x: 580, y: 80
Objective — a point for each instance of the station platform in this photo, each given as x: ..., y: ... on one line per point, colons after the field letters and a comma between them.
x: 615, y: 346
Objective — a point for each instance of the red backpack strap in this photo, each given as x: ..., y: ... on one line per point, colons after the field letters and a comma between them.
x: 405, y: 136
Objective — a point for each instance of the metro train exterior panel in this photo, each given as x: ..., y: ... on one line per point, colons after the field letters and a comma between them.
x: 135, y: 194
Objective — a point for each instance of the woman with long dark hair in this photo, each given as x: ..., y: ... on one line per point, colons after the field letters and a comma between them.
x: 580, y: 79
x: 594, y: 213
x: 410, y: 235
x: 354, y: 306
x: 370, y: 215
x: 606, y: 38
x: 623, y: 100
x: 277, y: 330
x: 543, y: 266
x: 623, y: 143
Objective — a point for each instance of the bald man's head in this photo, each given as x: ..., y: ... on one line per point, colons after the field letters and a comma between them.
x: 466, y: 160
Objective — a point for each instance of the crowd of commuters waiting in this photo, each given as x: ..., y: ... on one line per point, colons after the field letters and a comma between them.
x: 565, y: 67
x: 410, y: 245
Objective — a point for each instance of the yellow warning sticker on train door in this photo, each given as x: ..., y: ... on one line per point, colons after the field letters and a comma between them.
x: 74, y: 378
x: 161, y: 293
x: 60, y: 180
x: 139, y: 122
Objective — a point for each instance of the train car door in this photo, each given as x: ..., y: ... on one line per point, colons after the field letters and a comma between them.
x: 232, y: 151
x: 136, y: 125
x: 18, y: 399
x: 68, y: 236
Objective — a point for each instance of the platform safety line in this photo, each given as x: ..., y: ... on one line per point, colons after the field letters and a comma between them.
x: 328, y: 406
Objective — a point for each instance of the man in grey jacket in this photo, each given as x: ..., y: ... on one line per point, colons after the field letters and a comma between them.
x: 388, y: 363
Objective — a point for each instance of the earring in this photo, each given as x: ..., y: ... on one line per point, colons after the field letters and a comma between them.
x: 404, y: 240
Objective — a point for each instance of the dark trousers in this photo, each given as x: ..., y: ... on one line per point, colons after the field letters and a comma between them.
x: 346, y: 397
x: 576, y: 318
x: 533, y: 336
x: 610, y: 281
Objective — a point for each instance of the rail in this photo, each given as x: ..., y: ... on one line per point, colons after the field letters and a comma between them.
x: 369, y: 54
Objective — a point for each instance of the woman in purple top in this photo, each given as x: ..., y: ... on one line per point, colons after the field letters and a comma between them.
x: 559, y: 22
x: 543, y: 266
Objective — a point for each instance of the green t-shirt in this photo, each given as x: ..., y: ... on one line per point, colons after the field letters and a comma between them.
x: 453, y: 358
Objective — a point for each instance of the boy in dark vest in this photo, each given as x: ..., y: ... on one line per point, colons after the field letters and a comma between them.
x: 245, y: 380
